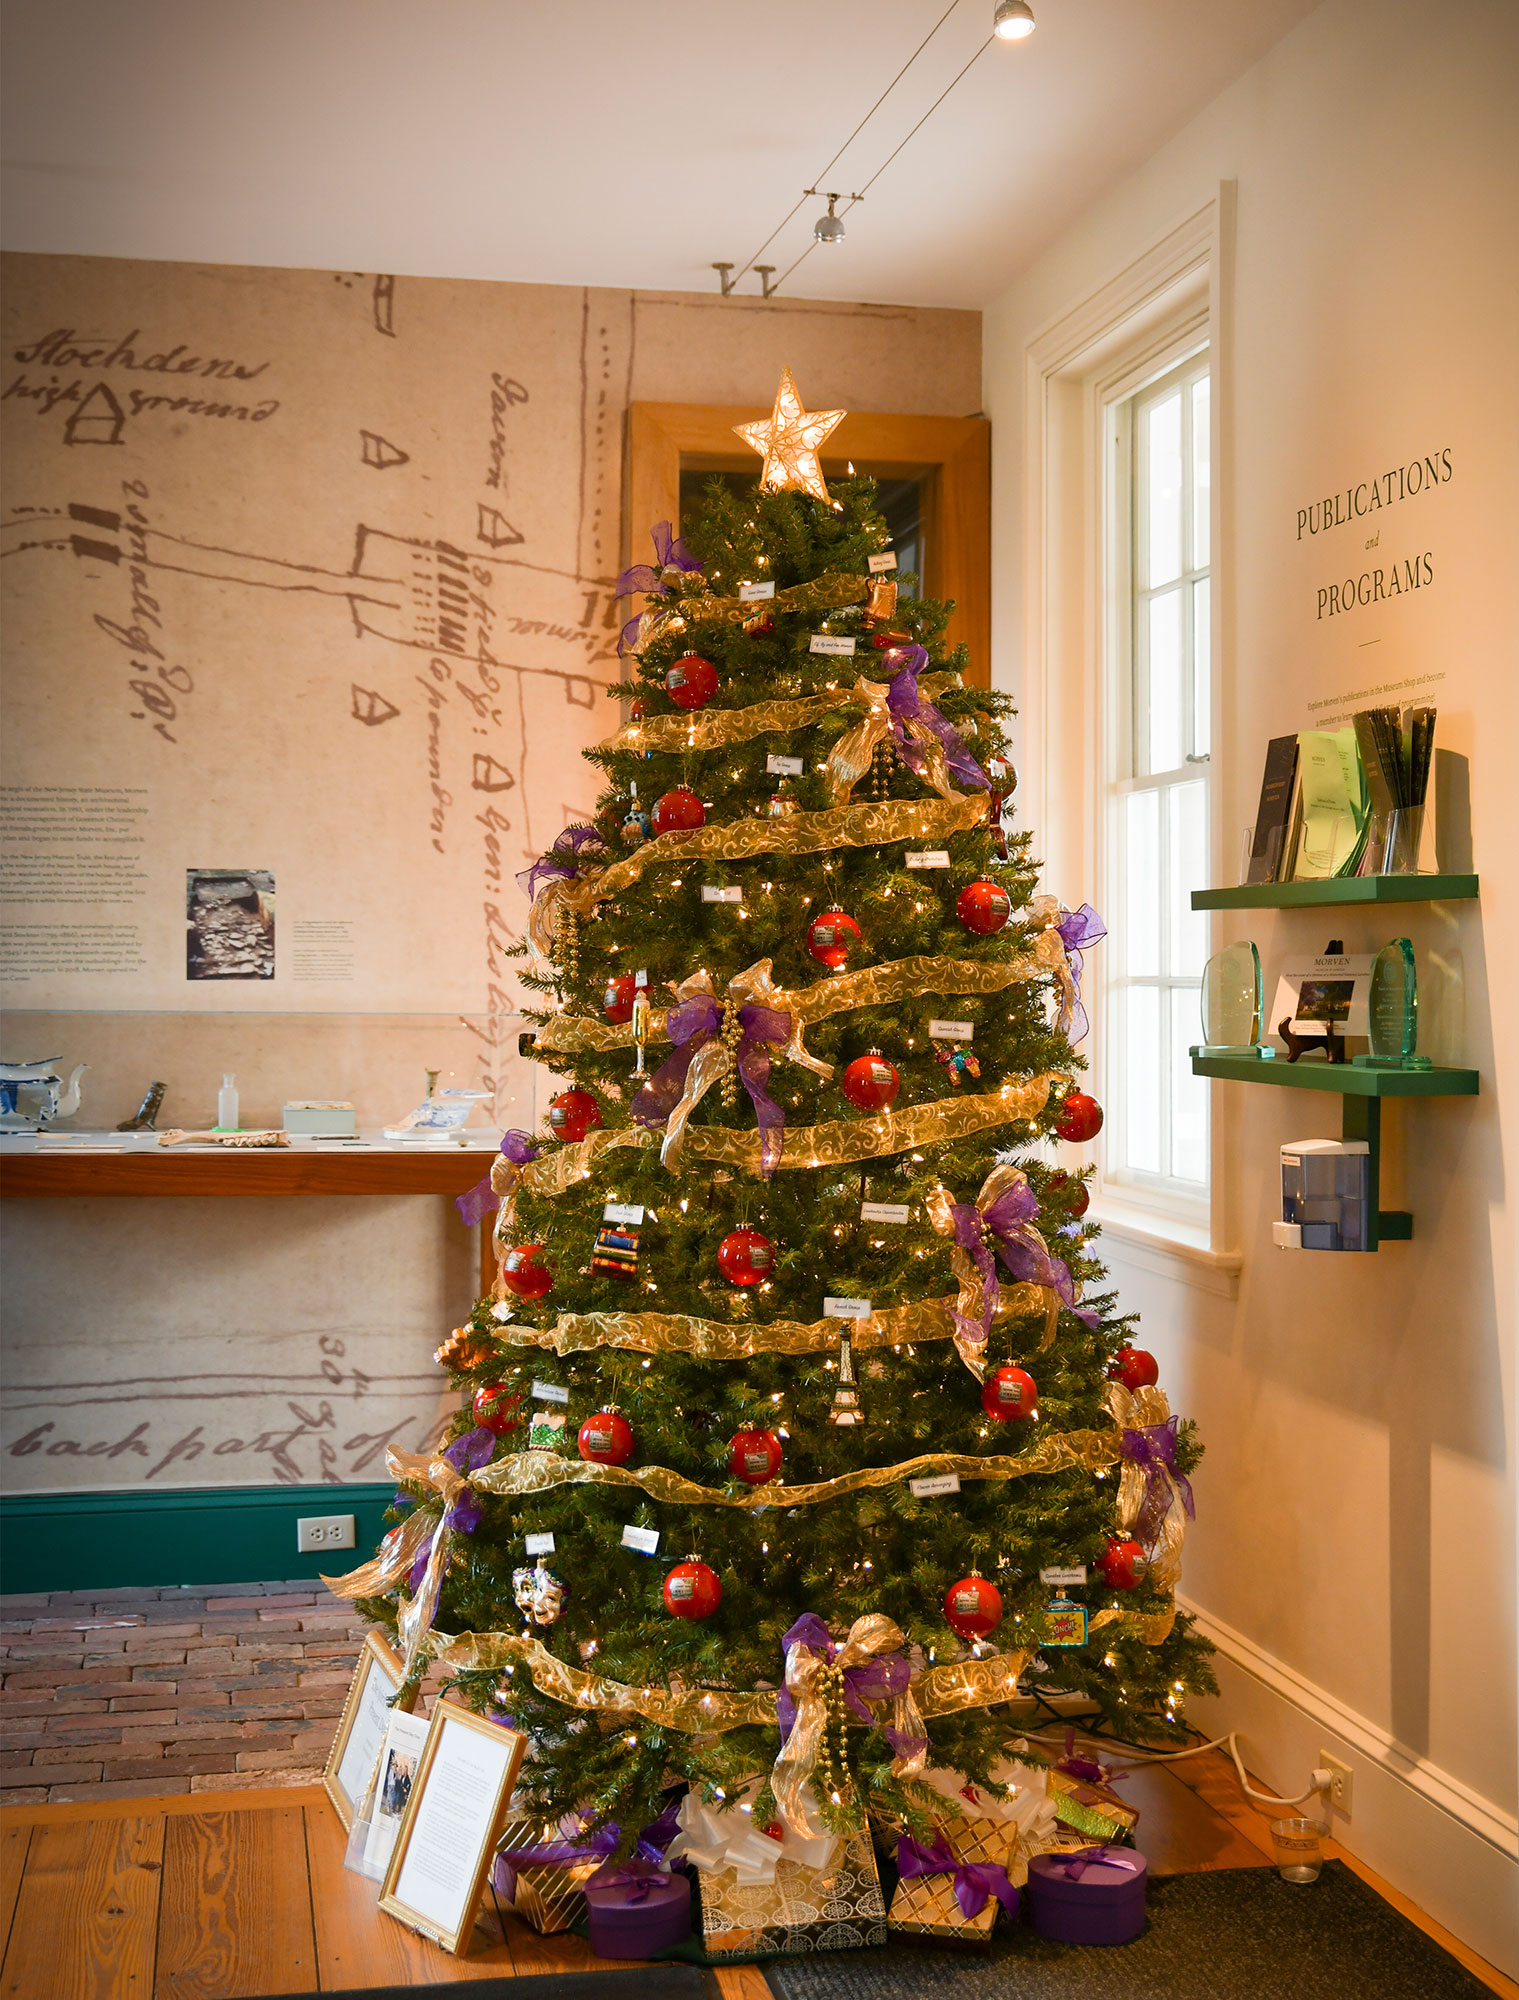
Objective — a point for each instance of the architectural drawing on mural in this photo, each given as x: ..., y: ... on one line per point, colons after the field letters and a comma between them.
x: 380, y: 452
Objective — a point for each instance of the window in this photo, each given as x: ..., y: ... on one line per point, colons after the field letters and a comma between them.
x: 1156, y: 807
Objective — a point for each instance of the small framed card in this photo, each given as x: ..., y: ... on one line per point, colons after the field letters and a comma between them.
x: 377, y: 1679
x: 454, y: 1817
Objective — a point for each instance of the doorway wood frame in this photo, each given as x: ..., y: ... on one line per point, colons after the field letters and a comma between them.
x: 951, y: 455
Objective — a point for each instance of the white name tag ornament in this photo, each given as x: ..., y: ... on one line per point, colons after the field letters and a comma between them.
x: 753, y: 593
x: 538, y: 1545
x: 846, y: 1309
x: 930, y: 1489
x: 1077, y: 1573
x: 878, y: 565
x: 730, y: 893
x: 952, y: 1031
x: 550, y: 1392
x: 645, y: 1540
x: 783, y: 767
x: 884, y: 1211
x: 933, y: 857
x: 628, y: 1212
x: 829, y: 642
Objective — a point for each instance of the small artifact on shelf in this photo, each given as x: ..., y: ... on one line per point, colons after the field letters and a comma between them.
x: 441, y: 1115
x: 1233, y: 1004
x: 319, y: 1118
x: 243, y: 1139
x: 1392, y: 1011
x: 33, y: 1094
x: 145, y: 1117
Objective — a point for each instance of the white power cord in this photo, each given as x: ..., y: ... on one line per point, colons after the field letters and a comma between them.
x: 1322, y: 1780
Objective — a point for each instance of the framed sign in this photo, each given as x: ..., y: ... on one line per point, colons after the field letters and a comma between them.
x: 454, y: 1816
x: 361, y: 1730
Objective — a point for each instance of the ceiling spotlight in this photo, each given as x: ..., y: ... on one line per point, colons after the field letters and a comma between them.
x: 1012, y: 20
x: 828, y: 228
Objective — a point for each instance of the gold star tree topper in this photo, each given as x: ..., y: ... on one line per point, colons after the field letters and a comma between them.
x: 790, y: 442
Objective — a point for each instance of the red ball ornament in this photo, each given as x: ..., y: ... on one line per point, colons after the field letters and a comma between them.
x: 692, y: 1590
x: 617, y: 1001
x: 572, y: 1114
x: 870, y: 1082
x: 606, y: 1438
x: 1134, y: 1368
x: 831, y: 936
x: 1123, y: 1564
x: 983, y: 907
x: 691, y: 682
x: 495, y: 1408
x: 1010, y: 1395
x: 1073, y: 1193
x: 754, y: 1457
x: 745, y: 1256
x: 678, y: 811
x: 1080, y: 1118
x: 523, y: 1274
x: 973, y: 1607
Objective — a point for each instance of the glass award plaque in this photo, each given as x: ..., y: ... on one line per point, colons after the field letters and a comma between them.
x: 1233, y: 1004
x: 1393, y: 1010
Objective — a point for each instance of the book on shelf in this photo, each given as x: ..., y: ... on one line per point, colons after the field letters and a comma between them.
x: 1272, y: 814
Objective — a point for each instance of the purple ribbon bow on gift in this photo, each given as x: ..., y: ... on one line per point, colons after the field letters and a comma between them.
x: 673, y: 554
x: 905, y: 705
x: 561, y: 863
x: 637, y: 1877
x: 974, y: 1880
x: 482, y: 1199
x: 882, y: 1678
x: 691, y: 1025
x: 1078, y: 929
x: 1074, y: 1866
x: 1009, y: 1221
x: 1086, y: 1768
x: 463, y: 1514
x: 1152, y: 1447
x: 591, y: 1844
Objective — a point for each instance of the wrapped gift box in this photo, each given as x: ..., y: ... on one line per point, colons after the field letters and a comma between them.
x: 1092, y: 1809
x: 780, y: 1891
x: 1094, y: 1897
x: 541, y: 1869
x: 633, y: 1912
x: 979, y: 1830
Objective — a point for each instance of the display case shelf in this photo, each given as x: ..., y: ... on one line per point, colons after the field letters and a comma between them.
x: 1339, y: 892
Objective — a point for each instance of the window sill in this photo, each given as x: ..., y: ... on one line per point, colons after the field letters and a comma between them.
x: 1175, y: 1250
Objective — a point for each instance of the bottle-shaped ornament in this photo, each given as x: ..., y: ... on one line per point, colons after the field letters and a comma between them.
x: 846, y: 1410
x: 641, y: 1012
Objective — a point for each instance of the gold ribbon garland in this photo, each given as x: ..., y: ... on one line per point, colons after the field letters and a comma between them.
x: 795, y: 833
x: 715, y: 729
x: 850, y: 758
x: 872, y: 986
x: 972, y: 1300
x: 524, y: 1473
x: 716, y: 1340
x: 1140, y: 1411
x: 839, y: 1141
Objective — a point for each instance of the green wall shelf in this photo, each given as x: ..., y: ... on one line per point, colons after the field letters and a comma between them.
x: 1361, y: 1092
x: 1338, y: 893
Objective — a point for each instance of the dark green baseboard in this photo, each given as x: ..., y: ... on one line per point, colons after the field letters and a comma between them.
x: 240, y: 1534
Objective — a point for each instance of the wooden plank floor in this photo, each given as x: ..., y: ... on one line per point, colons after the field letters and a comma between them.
x: 219, y: 1897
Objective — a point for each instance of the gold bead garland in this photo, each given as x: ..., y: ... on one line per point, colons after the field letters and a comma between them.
x: 731, y: 1034
x: 566, y: 953
x: 833, y: 1759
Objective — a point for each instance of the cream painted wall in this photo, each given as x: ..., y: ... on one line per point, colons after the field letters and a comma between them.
x: 1356, y: 1515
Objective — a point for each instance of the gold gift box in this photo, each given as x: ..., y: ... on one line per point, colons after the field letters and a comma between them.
x: 837, y: 1908
x: 1094, y: 1810
x: 549, y: 1896
x: 926, y: 1905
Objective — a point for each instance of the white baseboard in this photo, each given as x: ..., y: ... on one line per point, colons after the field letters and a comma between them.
x: 1448, y: 1849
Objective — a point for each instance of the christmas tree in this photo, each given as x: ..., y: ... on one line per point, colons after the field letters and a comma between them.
x: 802, y: 1342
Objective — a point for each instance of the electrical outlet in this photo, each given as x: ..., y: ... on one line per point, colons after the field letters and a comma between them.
x: 324, y: 1531
x: 1341, y: 1782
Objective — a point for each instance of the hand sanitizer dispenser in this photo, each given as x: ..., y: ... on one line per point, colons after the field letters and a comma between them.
x: 1326, y: 1188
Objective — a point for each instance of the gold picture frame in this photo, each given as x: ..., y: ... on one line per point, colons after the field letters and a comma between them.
x: 443, y: 1904
x: 377, y: 1677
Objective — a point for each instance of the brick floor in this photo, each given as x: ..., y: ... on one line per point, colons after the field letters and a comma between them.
x: 127, y: 1693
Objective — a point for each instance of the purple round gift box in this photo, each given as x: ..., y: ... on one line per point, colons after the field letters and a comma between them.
x: 633, y: 1920
x: 1104, y: 1905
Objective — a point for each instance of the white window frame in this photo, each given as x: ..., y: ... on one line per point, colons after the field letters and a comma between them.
x: 1171, y: 299
x: 1161, y: 1196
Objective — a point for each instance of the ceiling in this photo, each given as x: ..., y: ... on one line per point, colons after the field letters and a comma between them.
x: 589, y: 141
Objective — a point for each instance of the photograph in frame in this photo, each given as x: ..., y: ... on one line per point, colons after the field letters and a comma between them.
x: 377, y: 1678
x: 458, y: 1803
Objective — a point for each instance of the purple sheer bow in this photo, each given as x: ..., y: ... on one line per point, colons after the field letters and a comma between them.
x: 880, y: 1679
x: 1152, y: 1447
x: 593, y: 1844
x: 1087, y: 1768
x: 482, y: 1199
x: 1074, y: 1866
x: 1009, y: 1222
x: 692, y: 1024
x: 974, y: 1881
x: 1078, y: 930
x: 907, y: 705
x: 464, y: 1513
x: 561, y: 862
x: 673, y: 554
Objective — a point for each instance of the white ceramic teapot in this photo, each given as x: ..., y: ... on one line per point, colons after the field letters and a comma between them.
x: 33, y: 1094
